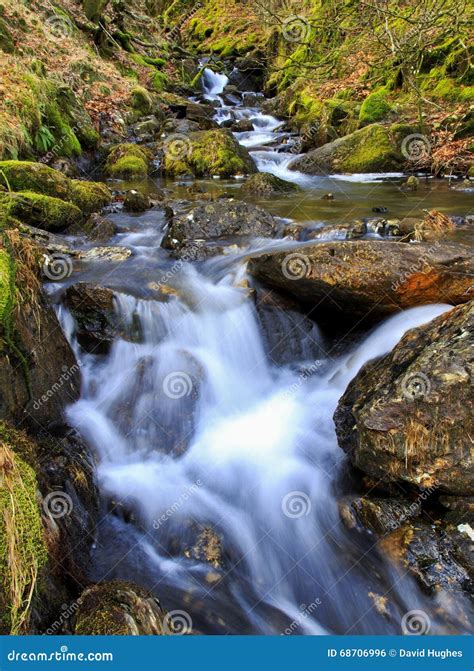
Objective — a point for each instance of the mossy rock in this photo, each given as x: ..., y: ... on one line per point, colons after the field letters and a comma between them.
x: 374, y: 108
x: 128, y: 160
x: 46, y: 212
x: 120, y: 609
x: 374, y: 148
x: 66, y: 142
x: 37, y: 177
x: 89, y: 196
x: 23, y: 553
x: 203, y: 153
x: 266, y: 184
x: 141, y: 100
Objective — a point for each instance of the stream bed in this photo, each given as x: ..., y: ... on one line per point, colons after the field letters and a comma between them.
x: 218, y: 468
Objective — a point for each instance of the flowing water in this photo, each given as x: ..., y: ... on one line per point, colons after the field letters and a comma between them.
x: 195, y: 428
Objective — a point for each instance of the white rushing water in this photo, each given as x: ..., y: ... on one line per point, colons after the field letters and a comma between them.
x: 195, y: 407
x: 213, y: 83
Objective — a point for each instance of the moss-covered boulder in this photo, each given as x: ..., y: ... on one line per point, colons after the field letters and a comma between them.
x: 204, y: 153
x: 374, y: 108
x: 23, y: 553
x: 374, y: 148
x: 406, y: 417
x: 36, y: 177
x: 120, y: 609
x: 46, y: 212
x: 89, y: 197
x: 93, y: 8
x: 266, y: 184
x: 128, y: 160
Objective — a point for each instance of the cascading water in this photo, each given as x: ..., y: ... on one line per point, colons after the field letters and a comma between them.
x: 197, y: 431
x: 192, y: 426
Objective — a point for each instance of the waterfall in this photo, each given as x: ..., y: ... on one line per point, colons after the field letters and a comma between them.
x: 213, y: 83
x: 194, y: 418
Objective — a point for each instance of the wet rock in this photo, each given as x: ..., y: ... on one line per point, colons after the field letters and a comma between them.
x: 99, y: 229
x: 147, y: 127
x: 218, y: 220
x: 38, y: 372
x: 374, y: 148
x: 93, y: 309
x: 70, y: 503
x: 433, y: 554
x: 111, y: 254
x: 120, y: 608
x: 406, y: 416
x: 327, y: 196
x: 249, y: 74
x: 242, y: 126
x: 266, y: 184
x: 206, y: 153
x: 136, y: 201
x: 369, y: 278
x: 206, y: 546
x: 379, y: 516
x: 279, y: 320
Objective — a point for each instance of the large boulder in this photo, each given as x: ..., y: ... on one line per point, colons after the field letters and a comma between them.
x: 39, y: 375
x: 406, y: 417
x: 204, y: 153
x: 218, y: 220
x: 368, y: 277
x: 121, y: 608
x: 374, y: 148
x: 128, y: 160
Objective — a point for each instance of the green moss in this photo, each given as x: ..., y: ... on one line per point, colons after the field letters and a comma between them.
x: 159, y: 81
x: 127, y: 160
x: 23, y: 552
x: 37, y: 177
x: 89, y: 196
x: 213, y: 152
x: 374, y: 108
x: 141, y: 100
x: 372, y: 149
x: 51, y: 214
x: 5, y: 285
x: 66, y: 142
